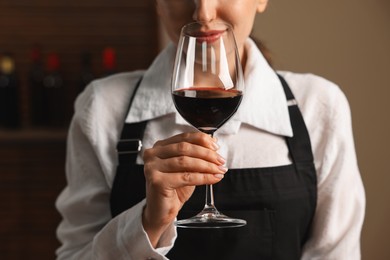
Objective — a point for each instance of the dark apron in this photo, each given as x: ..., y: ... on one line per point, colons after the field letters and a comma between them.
x: 278, y: 203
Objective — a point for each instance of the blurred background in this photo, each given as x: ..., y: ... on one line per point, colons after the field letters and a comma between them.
x: 49, y: 51
x: 347, y: 42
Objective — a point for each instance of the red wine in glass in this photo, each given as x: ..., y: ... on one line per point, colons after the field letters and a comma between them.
x: 207, y: 109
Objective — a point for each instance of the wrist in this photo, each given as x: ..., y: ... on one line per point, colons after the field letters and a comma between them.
x: 153, y: 228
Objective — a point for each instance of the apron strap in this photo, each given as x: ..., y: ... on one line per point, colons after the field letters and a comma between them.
x: 299, y: 144
x: 130, y: 142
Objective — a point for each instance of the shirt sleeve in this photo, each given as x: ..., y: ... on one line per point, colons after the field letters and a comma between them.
x: 340, y: 208
x: 125, y: 238
x: 87, y: 230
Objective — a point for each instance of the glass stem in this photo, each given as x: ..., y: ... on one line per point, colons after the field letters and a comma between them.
x: 209, y: 203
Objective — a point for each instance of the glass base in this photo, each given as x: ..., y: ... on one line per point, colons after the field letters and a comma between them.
x: 210, y: 218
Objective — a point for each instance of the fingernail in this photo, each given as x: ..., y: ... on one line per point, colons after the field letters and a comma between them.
x: 219, y: 176
x: 215, y: 146
x: 221, y: 160
x: 223, y: 168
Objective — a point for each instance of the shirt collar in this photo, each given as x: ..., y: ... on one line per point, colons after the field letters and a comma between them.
x: 264, y: 104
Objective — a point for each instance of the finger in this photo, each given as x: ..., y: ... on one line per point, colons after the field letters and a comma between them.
x: 188, y: 150
x: 179, y: 180
x: 188, y: 164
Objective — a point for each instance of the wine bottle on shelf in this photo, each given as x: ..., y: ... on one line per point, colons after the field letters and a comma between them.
x: 86, y: 74
x: 53, y: 93
x: 35, y: 84
x: 109, y: 61
x: 9, y: 93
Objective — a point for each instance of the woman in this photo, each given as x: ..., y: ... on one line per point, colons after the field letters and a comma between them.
x: 293, y: 170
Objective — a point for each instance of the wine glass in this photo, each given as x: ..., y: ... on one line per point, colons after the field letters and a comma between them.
x: 207, y: 89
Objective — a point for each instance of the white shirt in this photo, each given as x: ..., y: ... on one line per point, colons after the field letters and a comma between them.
x: 87, y: 230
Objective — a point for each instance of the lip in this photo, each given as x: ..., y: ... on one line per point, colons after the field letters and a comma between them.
x: 209, y: 36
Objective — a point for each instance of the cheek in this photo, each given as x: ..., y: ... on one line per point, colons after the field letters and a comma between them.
x: 243, y: 27
x: 174, y: 17
x: 173, y: 29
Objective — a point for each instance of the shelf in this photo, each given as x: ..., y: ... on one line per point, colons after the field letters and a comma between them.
x: 33, y: 135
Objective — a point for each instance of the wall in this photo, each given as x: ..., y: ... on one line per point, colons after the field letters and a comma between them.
x: 347, y: 42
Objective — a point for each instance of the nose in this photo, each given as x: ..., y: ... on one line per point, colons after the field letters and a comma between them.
x: 205, y: 10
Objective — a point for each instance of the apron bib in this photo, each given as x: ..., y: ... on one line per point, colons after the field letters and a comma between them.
x: 278, y: 203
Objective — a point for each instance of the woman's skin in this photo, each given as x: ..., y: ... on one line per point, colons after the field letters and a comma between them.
x: 174, y: 166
